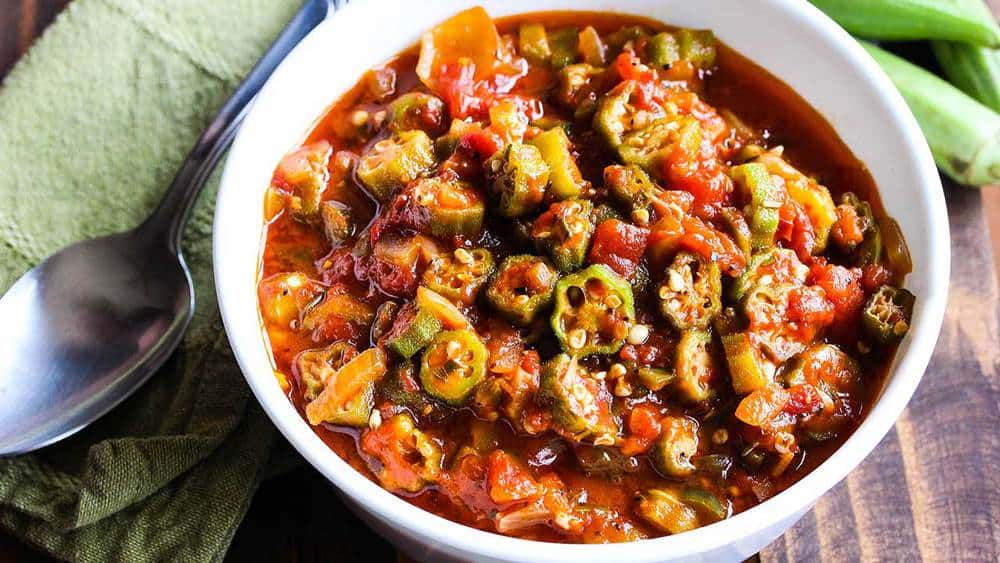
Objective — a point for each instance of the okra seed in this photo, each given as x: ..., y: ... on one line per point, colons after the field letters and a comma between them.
x: 638, y: 334
x: 359, y: 118
x: 521, y: 299
x: 622, y: 388
x: 617, y: 371
x: 454, y: 349
x: 675, y: 281
x: 600, y: 375
x: 463, y: 256
x: 640, y: 217
x: 577, y: 338
x: 604, y: 440
x: 375, y: 420
x: 613, y: 301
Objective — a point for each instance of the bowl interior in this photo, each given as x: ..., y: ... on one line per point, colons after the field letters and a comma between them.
x: 789, y: 38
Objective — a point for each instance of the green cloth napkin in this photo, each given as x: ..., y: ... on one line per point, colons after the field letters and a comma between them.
x: 93, y: 124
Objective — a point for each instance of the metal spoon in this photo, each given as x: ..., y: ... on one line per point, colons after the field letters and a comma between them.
x: 88, y: 326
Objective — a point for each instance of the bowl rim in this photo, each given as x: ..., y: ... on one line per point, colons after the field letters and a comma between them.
x: 903, y: 380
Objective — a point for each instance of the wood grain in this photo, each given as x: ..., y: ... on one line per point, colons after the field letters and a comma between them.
x: 930, y: 491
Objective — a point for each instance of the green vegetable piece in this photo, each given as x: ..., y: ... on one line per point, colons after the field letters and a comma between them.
x: 749, y: 278
x: 754, y: 179
x: 413, y: 329
x: 461, y: 275
x: 632, y: 189
x: 649, y: 146
x: 563, y: 43
x: 737, y: 227
x: 315, y: 367
x: 417, y: 111
x: 697, y: 46
x: 870, y: 250
x: 913, y: 19
x: 401, y: 387
x: 407, y: 459
x: 663, y: 50
x: 617, y: 40
x: 695, y: 366
x: 576, y: 91
x: 708, y: 506
x: 677, y: 444
x: 518, y: 178
x: 602, y: 213
x: 663, y: 509
x: 533, y: 43
x: 603, y: 461
x: 592, y: 49
x: 384, y: 317
x: 392, y: 163
x: 581, y: 404
x: 961, y: 132
x: 338, y: 224
x: 827, y: 367
x: 349, y: 393
x: 452, y: 365
x: 564, y: 232
x: 523, y: 288
x: 655, y: 379
x: 594, y: 310
x: 455, y: 207
x: 565, y: 180
x: 690, y: 295
x: 886, y: 316
x: 748, y: 369
x: 615, y: 114
x: 972, y: 69
x: 306, y: 172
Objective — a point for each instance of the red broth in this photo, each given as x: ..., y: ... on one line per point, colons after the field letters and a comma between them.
x: 493, y: 446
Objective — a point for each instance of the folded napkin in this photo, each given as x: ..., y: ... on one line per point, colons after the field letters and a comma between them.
x: 93, y: 124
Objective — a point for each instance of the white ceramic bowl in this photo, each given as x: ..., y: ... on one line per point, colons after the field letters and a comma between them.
x: 790, y: 38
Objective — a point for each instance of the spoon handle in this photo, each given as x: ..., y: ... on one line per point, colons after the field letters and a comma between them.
x: 171, y: 215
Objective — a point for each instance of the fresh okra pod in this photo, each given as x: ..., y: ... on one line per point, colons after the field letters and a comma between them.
x: 963, y: 134
x: 950, y: 20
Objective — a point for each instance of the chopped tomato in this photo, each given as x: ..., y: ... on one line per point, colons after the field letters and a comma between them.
x: 796, y: 228
x: 619, y: 245
x: 803, y: 399
x: 809, y: 304
x: 466, y: 485
x: 509, y: 481
x: 712, y: 245
x: 843, y: 289
x: 644, y: 428
x: 874, y: 276
x: 848, y: 231
x: 762, y: 406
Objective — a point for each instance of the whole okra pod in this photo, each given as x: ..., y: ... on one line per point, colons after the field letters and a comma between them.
x: 963, y: 134
x: 972, y: 68
x: 949, y: 20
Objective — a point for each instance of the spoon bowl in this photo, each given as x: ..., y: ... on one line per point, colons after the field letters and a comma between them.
x: 83, y: 330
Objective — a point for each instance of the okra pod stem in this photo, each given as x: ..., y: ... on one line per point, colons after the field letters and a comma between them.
x: 963, y: 134
x: 949, y: 20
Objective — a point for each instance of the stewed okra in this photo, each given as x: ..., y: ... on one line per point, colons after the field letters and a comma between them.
x: 557, y: 277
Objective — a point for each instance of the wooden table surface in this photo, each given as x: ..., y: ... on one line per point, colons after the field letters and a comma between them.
x: 930, y: 491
